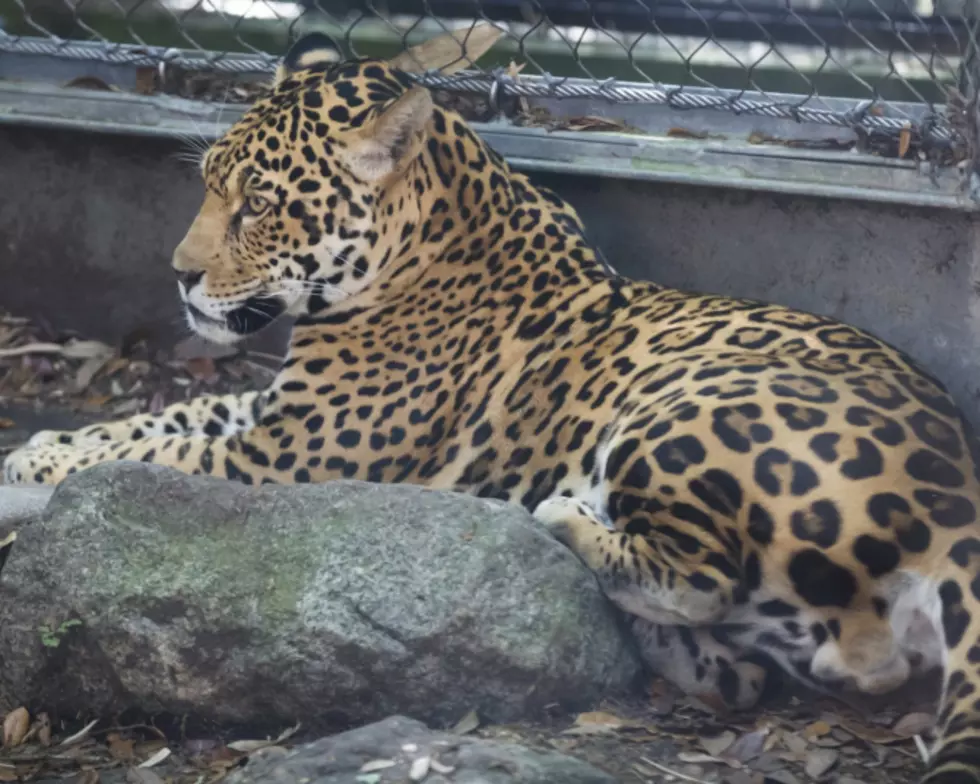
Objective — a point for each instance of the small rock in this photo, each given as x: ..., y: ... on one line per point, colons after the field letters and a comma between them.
x: 337, y: 760
x: 333, y: 604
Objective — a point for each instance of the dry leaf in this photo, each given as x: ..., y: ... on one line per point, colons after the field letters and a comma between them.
x: 599, y: 717
x: 196, y: 347
x: 594, y: 123
x: 819, y: 762
x: 828, y: 742
x: 224, y: 759
x: 88, y: 370
x: 816, y: 730
x: 15, y: 727
x: 590, y: 729
x: 378, y: 764
x: 249, y: 746
x: 796, y: 744
x: 146, y: 81
x: 913, y: 724
x: 44, y: 729
x: 201, y: 368
x: 142, y: 776
x: 748, y: 746
x: 904, y: 139
x: 127, y: 407
x: 871, y: 734
x: 156, y: 759
x: 120, y: 748
x: 147, y: 747
x: 95, y: 403
x: 697, y: 758
x: 157, y: 403
x: 6, y: 424
x: 467, y: 724
x: 782, y: 777
x: 717, y: 744
x: 438, y: 767
x: 86, y: 349
x: 79, y: 736
x: 8, y: 773
x: 115, y: 365
x: 89, y: 83
x: 31, y: 348
x: 419, y: 769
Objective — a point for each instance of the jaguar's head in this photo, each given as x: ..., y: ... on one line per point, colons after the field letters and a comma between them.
x: 293, y: 210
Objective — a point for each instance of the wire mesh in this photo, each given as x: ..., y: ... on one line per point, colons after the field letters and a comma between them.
x: 904, y: 70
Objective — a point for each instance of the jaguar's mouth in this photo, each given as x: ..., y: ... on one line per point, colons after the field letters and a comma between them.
x: 251, y: 316
x: 200, y: 317
x: 255, y: 314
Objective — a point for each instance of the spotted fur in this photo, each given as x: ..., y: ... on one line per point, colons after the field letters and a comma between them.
x: 742, y: 478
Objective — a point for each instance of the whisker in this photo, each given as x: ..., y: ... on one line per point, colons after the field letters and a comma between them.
x: 193, y: 149
x: 217, y: 119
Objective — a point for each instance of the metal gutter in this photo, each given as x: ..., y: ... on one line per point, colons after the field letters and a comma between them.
x: 724, y: 163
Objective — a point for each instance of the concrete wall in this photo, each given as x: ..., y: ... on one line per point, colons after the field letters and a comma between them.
x: 909, y: 275
x: 87, y: 225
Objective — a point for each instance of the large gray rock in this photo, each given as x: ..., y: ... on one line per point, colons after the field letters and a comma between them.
x: 335, y: 604
x: 400, y: 743
x: 20, y: 505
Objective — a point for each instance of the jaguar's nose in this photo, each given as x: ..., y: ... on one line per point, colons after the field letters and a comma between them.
x: 188, y: 278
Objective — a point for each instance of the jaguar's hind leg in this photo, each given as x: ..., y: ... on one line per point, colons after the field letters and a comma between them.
x: 701, y: 664
x: 641, y: 580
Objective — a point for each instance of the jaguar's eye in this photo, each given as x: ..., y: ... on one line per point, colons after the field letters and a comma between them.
x: 255, y: 205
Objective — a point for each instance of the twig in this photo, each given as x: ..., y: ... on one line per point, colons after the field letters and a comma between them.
x: 76, y: 349
x: 277, y: 358
x: 669, y: 772
x: 156, y: 759
x: 269, y: 371
x: 923, y: 749
x: 127, y: 727
x: 80, y: 735
x: 31, y: 348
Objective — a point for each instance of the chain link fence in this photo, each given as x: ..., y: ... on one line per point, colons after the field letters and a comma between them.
x: 901, y: 71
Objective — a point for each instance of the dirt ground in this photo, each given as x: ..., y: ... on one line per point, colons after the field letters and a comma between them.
x: 58, y: 380
x: 655, y: 738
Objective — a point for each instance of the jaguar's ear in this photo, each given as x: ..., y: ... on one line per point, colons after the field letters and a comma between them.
x: 392, y: 138
x: 310, y: 50
x: 450, y: 52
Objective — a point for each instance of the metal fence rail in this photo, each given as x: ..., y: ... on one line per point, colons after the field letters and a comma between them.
x: 899, y: 69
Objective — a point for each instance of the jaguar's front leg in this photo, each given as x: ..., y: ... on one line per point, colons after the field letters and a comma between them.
x: 244, y: 456
x: 208, y: 415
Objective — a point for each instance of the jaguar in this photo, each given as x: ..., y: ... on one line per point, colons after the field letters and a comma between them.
x: 743, y: 479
